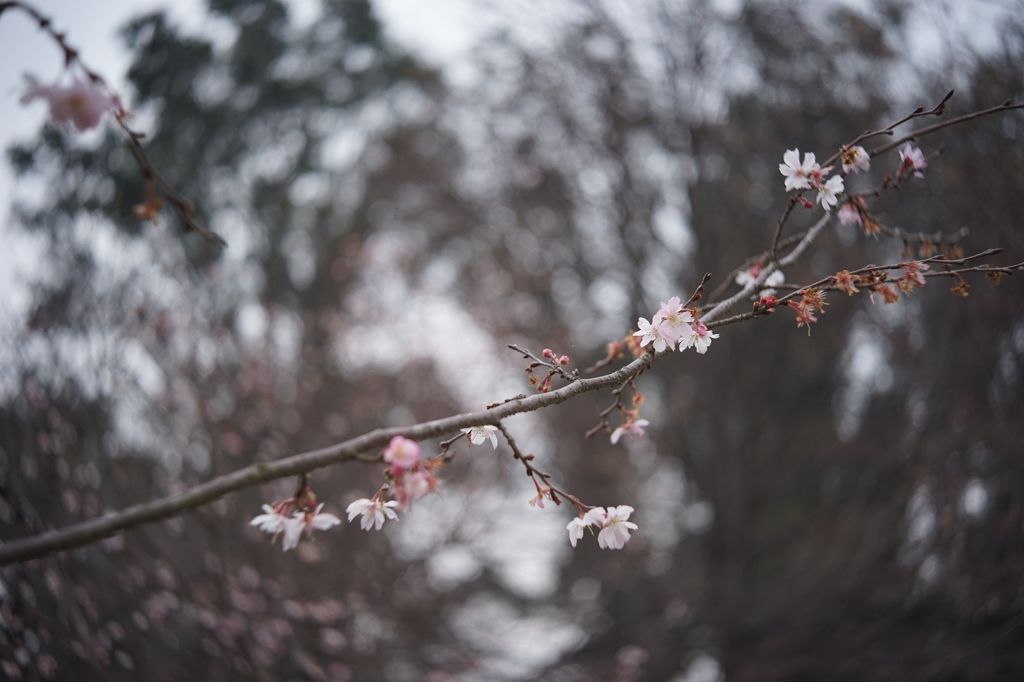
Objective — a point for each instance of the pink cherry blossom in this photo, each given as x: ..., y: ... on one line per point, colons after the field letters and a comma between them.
x: 702, y: 337
x: 650, y: 333
x: 307, y: 521
x: 634, y: 428
x: 374, y: 512
x: 538, y: 500
x: 672, y: 321
x: 479, y: 434
x: 401, y: 453
x: 412, y: 485
x: 849, y: 215
x: 83, y: 103
x: 912, y: 159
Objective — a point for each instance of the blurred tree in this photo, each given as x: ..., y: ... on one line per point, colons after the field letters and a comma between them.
x: 841, y: 506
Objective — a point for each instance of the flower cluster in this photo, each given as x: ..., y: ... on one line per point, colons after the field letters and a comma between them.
x: 83, y: 103
x: 675, y: 327
x: 306, y: 517
x: 411, y: 477
x: 810, y: 174
x: 613, y: 522
x: 878, y: 282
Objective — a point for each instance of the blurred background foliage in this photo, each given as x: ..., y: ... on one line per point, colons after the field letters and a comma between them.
x: 844, y: 506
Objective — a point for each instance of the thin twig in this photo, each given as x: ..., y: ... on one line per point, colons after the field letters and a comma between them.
x: 937, y: 110
x: 555, y: 493
x: 1005, y: 106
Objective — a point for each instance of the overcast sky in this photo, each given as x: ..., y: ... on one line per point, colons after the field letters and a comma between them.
x: 438, y: 31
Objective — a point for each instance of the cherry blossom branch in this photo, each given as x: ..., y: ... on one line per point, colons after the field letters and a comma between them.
x: 149, y: 209
x: 361, y: 448
x: 896, y: 266
x: 829, y: 283
x: 854, y: 155
x: 802, y: 245
x: 764, y: 255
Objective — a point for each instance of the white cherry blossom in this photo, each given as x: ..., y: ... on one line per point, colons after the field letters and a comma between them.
x: 271, y: 522
x: 479, y: 434
x: 308, y: 522
x: 827, y: 192
x: 855, y: 159
x: 650, y: 333
x: 615, y: 525
x: 374, y: 512
x: 576, y: 527
x: 797, y: 174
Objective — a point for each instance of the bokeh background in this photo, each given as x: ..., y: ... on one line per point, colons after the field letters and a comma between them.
x: 844, y: 505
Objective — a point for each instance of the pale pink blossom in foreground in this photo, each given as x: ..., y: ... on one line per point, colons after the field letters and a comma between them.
x: 479, y: 434
x: 798, y: 175
x: 672, y: 321
x: 401, y: 453
x: 650, y: 333
x: 82, y: 103
x: 849, y: 215
x: 308, y: 522
x: 576, y: 527
x: 827, y: 192
x: 702, y: 337
x: 855, y: 159
x: 374, y: 512
x: 912, y: 158
x: 634, y: 428
x: 272, y: 522
x: 412, y: 485
x: 538, y: 500
x: 615, y: 525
